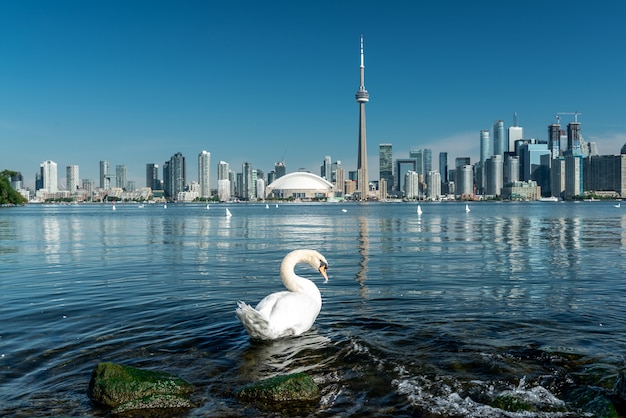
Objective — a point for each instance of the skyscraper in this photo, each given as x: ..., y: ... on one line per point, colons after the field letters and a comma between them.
x: 152, y: 176
x: 174, y: 175
x: 71, y: 178
x: 49, y: 176
x: 573, y: 137
x: 443, y: 168
x: 418, y: 156
x: 105, y: 174
x: 499, y: 141
x: 204, y: 174
x: 120, y: 176
x: 362, y: 97
x: 554, y: 140
x: 515, y: 133
x: 386, y: 165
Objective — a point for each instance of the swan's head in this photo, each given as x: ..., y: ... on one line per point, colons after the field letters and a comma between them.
x: 317, y: 261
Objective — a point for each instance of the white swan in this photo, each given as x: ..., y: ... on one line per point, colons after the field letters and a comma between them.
x: 290, y: 312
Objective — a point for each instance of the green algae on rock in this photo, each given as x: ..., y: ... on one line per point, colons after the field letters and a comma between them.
x: 126, y: 388
x: 292, y: 387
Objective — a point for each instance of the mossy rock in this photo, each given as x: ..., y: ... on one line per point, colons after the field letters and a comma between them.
x: 297, y: 387
x: 128, y: 388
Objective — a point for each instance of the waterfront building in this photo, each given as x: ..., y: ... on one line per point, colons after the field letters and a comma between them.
x: 427, y: 155
x: 522, y: 190
x: 71, y: 178
x: 411, y: 185
x: 531, y: 167
x: 121, y: 173
x: 554, y: 140
x: 443, y: 169
x: 510, y: 172
x: 515, y: 133
x: 49, y: 179
x: 465, y: 181
x: 485, y: 153
x: 325, y: 169
x: 494, y: 175
x: 418, y: 156
x: 174, y: 175
x: 204, y: 174
x: 247, y: 188
x: 152, y: 176
x: 500, y: 145
x: 605, y: 174
x: 300, y: 185
x: 223, y: 171
x: 574, y: 137
x: 105, y: 175
x: 433, y: 185
x: 280, y: 169
x: 88, y: 186
x: 340, y: 181
x: 385, y: 160
x: 402, y: 167
x: 223, y: 190
x: 573, y: 175
x: 362, y: 97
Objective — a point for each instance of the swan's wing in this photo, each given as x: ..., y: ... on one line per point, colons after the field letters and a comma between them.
x: 253, y: 321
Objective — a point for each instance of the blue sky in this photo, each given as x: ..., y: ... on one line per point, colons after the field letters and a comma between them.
x: 134, y: 82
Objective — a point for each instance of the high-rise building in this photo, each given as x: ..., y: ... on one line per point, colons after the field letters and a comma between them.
x: 573, y: 137
x: 325, y: 169
x: 554, y: 140
x: 105, y: 174
x: 280, y: 169
x: 49, y: 177
x: 402, y: 167
x: 174, y: 175
x: 223, y: 170
x: 515, y: 133
x: 386, y: 165
x: 573, y: 175
x: 152, y: 176
x: 465, y: 181
x: 362, y: 97
x: 485, y: 153
x: 204, y: 174
x: 500, y: 145
x: 443, y: 170
x: 418, y: 156
x: 433, y: 181
x: 494, y: 175
x: 71, y: 178
x: 247, y: 188
x: 428, y: 160
x: 120, y: 176
x: 411, y: 184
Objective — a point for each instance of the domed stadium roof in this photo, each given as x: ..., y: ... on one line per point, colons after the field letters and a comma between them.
x: 301, y: 181
x: 300, y: 184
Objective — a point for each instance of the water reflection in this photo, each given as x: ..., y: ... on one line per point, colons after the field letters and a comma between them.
x: 51, y: 238
x: 364, y: 252
x: 7, y: 234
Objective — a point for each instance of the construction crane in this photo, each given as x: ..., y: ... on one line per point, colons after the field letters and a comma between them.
x: 570, y: 113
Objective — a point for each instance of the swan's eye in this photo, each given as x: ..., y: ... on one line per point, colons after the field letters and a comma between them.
x: 323, y: 265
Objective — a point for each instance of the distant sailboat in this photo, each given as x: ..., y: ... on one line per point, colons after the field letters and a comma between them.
x: 165, y: 206
x: 419, y: 210
x: 113, y: 206
x: 228, y: 214
x: 467, y: 209
x: 267, y: 206
x: 344, y: 210
x: 618, y: 205
x: 276, y: 204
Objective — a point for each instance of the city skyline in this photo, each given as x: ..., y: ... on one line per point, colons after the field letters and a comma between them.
x: 136, y: 83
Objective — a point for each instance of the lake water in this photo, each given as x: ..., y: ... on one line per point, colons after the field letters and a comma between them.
x: 440, y: 315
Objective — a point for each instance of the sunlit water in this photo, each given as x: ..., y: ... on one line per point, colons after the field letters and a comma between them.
x: 443, y: 314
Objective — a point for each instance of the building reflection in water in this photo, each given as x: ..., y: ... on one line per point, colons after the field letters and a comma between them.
x: 364, y: 253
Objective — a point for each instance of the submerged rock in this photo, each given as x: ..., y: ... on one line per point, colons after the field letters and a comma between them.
x: 127, y: 388
x: 299, y: 387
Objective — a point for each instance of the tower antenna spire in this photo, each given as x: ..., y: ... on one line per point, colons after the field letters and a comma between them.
x: 362, y: 97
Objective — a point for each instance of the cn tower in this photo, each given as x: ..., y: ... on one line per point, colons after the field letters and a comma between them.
x: 362, y: 97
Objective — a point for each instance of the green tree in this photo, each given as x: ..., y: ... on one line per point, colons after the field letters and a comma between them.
x: 8, y: 196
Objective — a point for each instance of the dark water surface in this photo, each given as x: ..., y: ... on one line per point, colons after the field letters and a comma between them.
x: 446, y: 314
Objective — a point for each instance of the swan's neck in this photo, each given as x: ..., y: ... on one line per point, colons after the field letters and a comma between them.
x: 295, y: 283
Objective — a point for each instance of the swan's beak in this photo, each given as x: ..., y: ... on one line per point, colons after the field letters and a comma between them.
x: 322, y: 270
